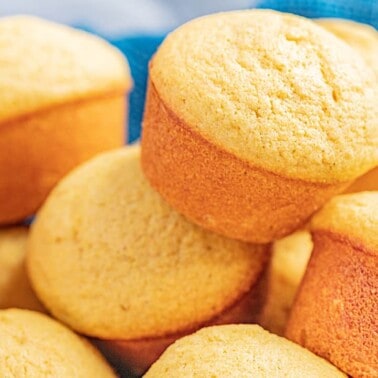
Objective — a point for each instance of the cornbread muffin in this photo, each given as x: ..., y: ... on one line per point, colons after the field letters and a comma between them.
x: 33, y: 345
x: 254, y: 119
x: 290, y: 256
x: 15, y: 289
x: 111, y: 259
x: 335, y: 312
x: 61, y: 102
x: 239, y: 351
x: 364, y: 39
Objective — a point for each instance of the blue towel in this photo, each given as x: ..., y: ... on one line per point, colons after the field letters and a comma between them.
x: 138, y: 50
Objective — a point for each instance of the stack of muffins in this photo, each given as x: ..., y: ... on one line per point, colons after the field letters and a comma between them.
x: 166, y: 254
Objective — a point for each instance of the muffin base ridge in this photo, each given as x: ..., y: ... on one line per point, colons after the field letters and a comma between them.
x: 36, y: 150
x: 217, y: 190
x: 334, y: 313
x: 136, y: 356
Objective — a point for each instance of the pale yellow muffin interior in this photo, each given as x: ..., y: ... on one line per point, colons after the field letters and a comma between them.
x: 239, y: 351
x: 15, y: 289
x: 33, y: 345
x: 275, y: 90
x: 45, y: 64
x: 353, y: 215
x: 110, y: 258
x: 290, y: 256
x: 362, y: 37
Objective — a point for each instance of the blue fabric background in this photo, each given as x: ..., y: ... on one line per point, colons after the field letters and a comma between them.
x: 139, y: 49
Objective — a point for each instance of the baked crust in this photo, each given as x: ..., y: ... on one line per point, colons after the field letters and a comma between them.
x: 301, y: 103
x: 38, y: 149
x: 35, y: 345
x: 369, y: 181
x: 335, y: 311
x: 362, y: 37
x: 136, y: 356
x: 217, y: 190
x: 286, y: 269
x: 63, y: 65
x: 15, y: 287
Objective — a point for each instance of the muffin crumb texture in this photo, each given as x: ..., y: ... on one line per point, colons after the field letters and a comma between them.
x: 80, y: 66
x: 362, y: 37
x: 33, y: 345
x: 351, y: 215
x: 15, y: 288
x: 106, y: 249
x: 276, y: 90
x: 239, y: 351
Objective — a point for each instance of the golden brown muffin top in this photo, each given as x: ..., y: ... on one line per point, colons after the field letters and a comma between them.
x: 239, y: 351
x: 110, y: 258
x: 33, y: 345
x: 353, y: 215
x: 15, y: 290
x: 362, y: 37
x: 44, y: 64
x: 275, y: 90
